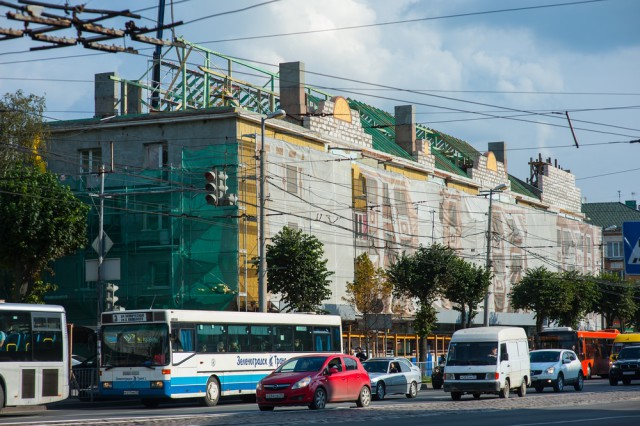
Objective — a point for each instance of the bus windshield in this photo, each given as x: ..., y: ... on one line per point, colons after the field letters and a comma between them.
x: 559, y: 340
x: 472, y: 353
x: 134, y: 345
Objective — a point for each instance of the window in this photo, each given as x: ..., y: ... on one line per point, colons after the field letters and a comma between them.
x: 362, y: 226
x: 160, y: 274
x: 156, y: 156
x: 292, y: 179
x: 613, y: 249
x: 211, y: 338
x: 350, y: 364
x: 238, y: 338
x: 261, y: 338
x: 90, y: 160
x: 47, y: 336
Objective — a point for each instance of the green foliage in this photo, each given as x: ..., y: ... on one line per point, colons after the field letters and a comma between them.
x: 22, y: 130
x: 615, y: 299
x: 540, y: 291
x: 583, y: 296
x: 39, y: 289
x: 369, y: 286
x: 466, y: 288
x: 422, y: 276
x: 296, y: 270
x: 40, y: 221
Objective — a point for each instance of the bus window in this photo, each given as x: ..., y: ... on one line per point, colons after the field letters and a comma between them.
x: 302, y: 333
x: 211, y: 338
x: 238, y: 338
x: 283, y: 339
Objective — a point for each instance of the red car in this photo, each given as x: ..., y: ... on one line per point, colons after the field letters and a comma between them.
x: 314, y: 380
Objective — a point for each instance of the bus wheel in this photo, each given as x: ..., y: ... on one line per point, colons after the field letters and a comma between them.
x: 212, y: 393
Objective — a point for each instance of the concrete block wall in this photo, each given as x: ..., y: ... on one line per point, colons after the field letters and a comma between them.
x: 423, y: 154
x: 322, y: 121
x: 559, y: 189
x: 485, y: 176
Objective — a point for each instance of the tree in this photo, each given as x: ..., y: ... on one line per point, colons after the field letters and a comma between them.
x: 615, y: 299
x: 540, y: 291
x: 583, y: 295
x: 296, y: 270
x: 422, y: 276
x: 467, y: 288
x: 22, y: 130
x: 40, y: 221
x: 368, y: 289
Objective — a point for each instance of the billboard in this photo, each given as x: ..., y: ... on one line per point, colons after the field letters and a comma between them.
x: 631, y: 244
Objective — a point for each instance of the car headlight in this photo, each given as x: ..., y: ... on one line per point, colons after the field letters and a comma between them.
x: 550, y: 370
x: 614, y: 366
x: 259, y: 385
x: 374, y: 380
x: 302, y: 383
x: 449, y: 376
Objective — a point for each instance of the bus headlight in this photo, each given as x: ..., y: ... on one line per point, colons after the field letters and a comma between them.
x: 302, y: 383
x: 107, y: 385
x: 158, y: 384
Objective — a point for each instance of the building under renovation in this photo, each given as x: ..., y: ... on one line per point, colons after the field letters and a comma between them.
x: 358, y: 178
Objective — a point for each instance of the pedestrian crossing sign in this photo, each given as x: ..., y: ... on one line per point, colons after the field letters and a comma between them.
x: 631, y: 244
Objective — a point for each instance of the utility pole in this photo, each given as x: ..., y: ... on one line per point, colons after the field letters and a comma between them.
x: 101, y: 241
x: 488, y: 261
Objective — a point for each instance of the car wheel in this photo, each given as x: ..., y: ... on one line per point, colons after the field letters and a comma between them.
x: 626, y: 382
x: 413, y: 390
x: 212, y: 392
x: 539, y: 389
x: 380, y: 391
x: 522, y: 390
x: 504, y: 392
x: 150, y: 402
x: 456, y: 396
x: 365, y: 397
x: 580, y: 383
x: 266, y: 407
x: 476, y: 396
x: 613, y: 382
x: 558, y: 386
x: 319, y: 399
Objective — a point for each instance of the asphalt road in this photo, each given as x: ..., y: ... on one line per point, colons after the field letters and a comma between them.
x: 599, y: 403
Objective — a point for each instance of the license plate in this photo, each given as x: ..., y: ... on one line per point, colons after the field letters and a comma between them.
x: 274, y: 396
x: 468, y: 377
x: 630, y: 373
x: 131, y: 392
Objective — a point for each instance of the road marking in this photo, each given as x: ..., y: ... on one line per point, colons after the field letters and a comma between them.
x: 577, y: 420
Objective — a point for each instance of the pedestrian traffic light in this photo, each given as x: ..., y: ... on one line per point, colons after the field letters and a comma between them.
x: 110, y: 297
x: 212, y: 196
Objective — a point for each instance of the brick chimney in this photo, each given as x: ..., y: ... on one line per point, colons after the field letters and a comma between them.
x: 293, y: 98
x: 406, y: 128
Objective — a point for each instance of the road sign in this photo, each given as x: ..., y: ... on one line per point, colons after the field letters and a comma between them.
x: 107, y: 244
x: 631, y: 244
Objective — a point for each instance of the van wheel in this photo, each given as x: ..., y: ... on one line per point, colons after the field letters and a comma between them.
x: 504, y: 392
x: 522, y: 390
x: 456, y: 396
x: 212, y: 392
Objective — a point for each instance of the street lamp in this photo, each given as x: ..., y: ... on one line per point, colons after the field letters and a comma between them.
x: 498, y: 188
x: 262, y: 286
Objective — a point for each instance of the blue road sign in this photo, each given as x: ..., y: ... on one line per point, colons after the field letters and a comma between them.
x: 631, y: 243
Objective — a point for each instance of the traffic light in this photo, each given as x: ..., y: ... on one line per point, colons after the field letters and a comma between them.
x: 110, y: 297
x: 212, y: 196
x: 222, y: 185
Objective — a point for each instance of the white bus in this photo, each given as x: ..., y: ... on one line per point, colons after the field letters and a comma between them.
x: 160, y: 354
x: 34, y: 354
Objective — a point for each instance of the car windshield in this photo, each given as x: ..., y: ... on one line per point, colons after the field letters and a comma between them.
x: 472, y: 353
x: 296, y: 365
x: 376, y: 366
x: 545, y: 356
x: 630, y: 353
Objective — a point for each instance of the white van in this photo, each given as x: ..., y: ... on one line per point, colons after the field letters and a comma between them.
x: 491, y: 360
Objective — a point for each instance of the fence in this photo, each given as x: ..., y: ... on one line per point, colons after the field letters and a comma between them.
x: 83, y: 383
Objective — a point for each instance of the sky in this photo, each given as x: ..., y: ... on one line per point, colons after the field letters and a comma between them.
x: 479, y: 70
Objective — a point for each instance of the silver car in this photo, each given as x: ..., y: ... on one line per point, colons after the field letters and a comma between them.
x: 393, y: 376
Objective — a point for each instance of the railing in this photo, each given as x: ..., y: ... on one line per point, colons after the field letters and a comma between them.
x: 83, y: 384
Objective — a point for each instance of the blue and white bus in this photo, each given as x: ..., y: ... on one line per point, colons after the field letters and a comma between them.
x: 161, y: 354
x: 34, y: 354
